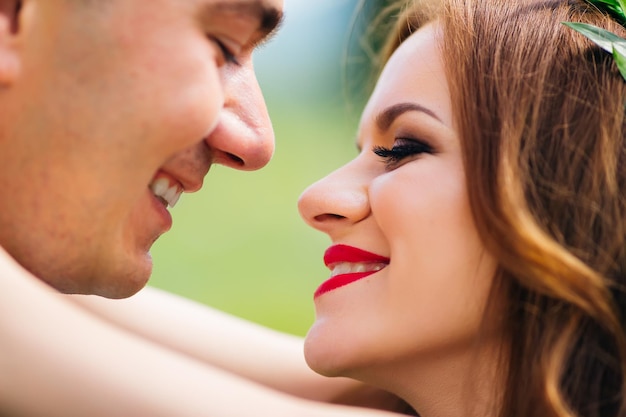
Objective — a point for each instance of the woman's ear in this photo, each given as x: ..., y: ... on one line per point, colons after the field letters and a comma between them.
x: 10, y: 11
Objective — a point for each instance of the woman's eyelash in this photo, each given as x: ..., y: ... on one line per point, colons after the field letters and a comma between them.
x: 403, y: 148
x: 229, y: 57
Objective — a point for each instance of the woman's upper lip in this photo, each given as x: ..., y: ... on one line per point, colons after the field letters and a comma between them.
x: 344, y: 253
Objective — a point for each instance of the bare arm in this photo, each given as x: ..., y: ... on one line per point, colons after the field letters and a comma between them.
x: 249, y: 350
x: 58, y: 360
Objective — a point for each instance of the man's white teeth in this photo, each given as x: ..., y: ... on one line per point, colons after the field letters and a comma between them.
x: 352, y: 268
x: 161, y: 188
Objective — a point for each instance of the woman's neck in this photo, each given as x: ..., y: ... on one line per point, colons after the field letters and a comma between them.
x: 446, y: 384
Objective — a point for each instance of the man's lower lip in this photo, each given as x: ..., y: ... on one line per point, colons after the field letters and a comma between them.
x: 164, y: 214
x: 340, y: 281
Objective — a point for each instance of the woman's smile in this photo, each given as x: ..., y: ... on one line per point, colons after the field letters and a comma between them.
x: 347, y: 265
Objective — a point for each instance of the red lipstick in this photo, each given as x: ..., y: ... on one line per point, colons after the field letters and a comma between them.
x: 349, y: 264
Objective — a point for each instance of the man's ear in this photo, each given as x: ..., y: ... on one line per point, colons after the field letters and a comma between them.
x: 10, y: 11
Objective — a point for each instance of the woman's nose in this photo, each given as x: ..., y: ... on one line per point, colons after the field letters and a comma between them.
x: 244, y: 136
x: 336, y: 201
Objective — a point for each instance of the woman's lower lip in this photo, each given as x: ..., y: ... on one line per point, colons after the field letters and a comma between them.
x: 340, y: 281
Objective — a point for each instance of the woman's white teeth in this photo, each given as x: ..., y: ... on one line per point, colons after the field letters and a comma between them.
x: 170, y: 195
x: 353, y: 268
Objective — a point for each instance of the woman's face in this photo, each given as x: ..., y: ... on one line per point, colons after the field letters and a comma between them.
x: 410, y: 276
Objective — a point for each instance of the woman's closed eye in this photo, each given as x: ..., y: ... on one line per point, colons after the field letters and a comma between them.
x: 402, y: 148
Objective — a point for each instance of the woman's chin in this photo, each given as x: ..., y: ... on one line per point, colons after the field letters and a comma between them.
x: 324, y: 355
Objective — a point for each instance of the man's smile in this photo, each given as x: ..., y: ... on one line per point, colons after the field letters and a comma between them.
x: 167, y: 190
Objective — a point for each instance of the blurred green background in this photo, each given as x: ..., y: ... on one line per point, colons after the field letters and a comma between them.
x: 239, y: 244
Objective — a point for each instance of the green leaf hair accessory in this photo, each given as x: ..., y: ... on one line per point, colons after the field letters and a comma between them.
x: 616, y: 8
x: 606, y: 40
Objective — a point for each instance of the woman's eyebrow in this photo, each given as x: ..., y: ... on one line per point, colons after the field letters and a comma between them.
x: 385, y: 118
x: 269, y: 18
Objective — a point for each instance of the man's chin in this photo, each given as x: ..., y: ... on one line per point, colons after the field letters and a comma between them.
x: 118, y: 283
x: 124, y: 288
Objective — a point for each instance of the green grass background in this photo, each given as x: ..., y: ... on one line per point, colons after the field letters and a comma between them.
x: 239, y: 244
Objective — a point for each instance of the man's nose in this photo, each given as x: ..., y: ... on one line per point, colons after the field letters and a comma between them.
x: 244, y: 136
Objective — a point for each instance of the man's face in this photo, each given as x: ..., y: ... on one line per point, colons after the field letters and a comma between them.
x: 116, y: 101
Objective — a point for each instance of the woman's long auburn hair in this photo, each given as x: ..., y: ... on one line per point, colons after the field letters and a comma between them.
x: 540, y: 114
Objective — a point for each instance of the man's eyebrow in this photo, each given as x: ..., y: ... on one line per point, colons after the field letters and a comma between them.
x: 269, y: 18
x: 385, y: 119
